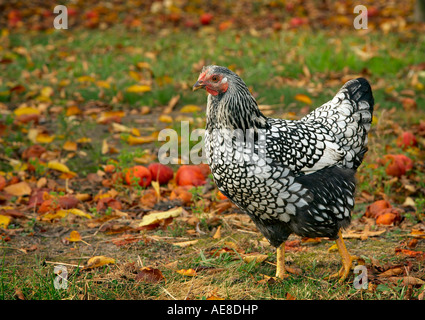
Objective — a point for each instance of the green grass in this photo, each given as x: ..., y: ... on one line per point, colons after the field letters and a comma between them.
x: 113, y: 53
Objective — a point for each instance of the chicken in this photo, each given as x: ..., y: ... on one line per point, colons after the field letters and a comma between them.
x: 288, y: 176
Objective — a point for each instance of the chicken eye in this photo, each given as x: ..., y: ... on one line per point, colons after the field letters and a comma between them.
x: 214, y: 78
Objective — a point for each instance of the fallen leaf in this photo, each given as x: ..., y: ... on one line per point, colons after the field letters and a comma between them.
x: 156, y: 217
x: 18, y: 189
x: 303, y: 98
x: 406, y: 281
x: 410, y: 253
x: 185, y: 243
x: 74, y: 236
x: 361, y: 234
x: 63, y: 213
x: 44, y: 138
x: 4, y: 221
x: 190, y: 108
x: 138, y: 88
x: 217, y: 234
x: 391, y: 272
x: 70, y: 146
x: 131, y: 140
x: 165, y: 118
x: 151, y: 275
x: 171, y: 104
x: 290, y: 296
x: 417, y: 233
x: 215, y: 297
x: 99, y: 261
x: 187, y: 272
x: 257, y: 257
x: 55, y: 165
x: 26, y: 111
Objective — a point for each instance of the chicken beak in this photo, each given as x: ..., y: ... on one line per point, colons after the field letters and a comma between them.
x: 198, y: 85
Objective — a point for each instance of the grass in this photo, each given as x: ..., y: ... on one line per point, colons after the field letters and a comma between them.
x: 113, y: 53
x: 274, y: 68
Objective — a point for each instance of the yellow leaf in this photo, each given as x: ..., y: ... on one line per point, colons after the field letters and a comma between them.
x: 103, y: 84
x: 46, y: 92
x: 303, y: 98
x: 214, y: 297
x: 44, y: 138
x: 63, y: 213
x: 135, y: 75
x: 108, y: 114
x: 74, y: 236
x: 85, y: 79
x: 257, y: 257
x: 18, y: 189
x: 4, y: 221
x: 116, y: 127
x: 135, y: 132
x: 185, y: 243
x: 143, y: 65
x: 99, y: 261
x: 131, y: 140
x: 105, y: 146
x: 165, y: 118
x: 190, y: 108
x: 417, y: 233
x: 138, y: 88
x: 26, y: 110
x: 73, y: 110
x: 57, y: 166
x: 152, y: 218
x: 155, y: 185
x: 64, y: 82
x: 187, y: 272
x: 79, y: 212
x: 84, y: 140
x: 333, y: 248
x: 70, y: 146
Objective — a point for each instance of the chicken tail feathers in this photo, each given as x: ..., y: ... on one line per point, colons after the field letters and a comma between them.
x: 349, y: 116
x: 360, y: 92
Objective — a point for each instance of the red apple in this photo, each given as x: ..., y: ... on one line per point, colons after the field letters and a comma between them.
x: 206, y: 18
x: 190, y: 175
x: 161, y: 172
x: 140, y: 174
x: 406, y: 139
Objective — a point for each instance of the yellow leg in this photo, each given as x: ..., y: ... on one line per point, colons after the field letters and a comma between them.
x: 347, y: 259
x: 280, y: 262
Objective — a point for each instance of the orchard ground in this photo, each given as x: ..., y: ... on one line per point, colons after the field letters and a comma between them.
x: 95, y: 99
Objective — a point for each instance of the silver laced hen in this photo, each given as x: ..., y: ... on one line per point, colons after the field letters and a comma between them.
x: 288, y: 176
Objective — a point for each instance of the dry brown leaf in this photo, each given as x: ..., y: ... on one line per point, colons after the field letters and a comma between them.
x: 151, y: 275
x: 171, y: 104
x: 391, y: 272
x: 185, y: 243
x: 217, y: 234
x: 18, y: 189
x: 407, y: 280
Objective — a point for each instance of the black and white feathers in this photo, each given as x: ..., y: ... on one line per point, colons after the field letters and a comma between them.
x: 288, y: 176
